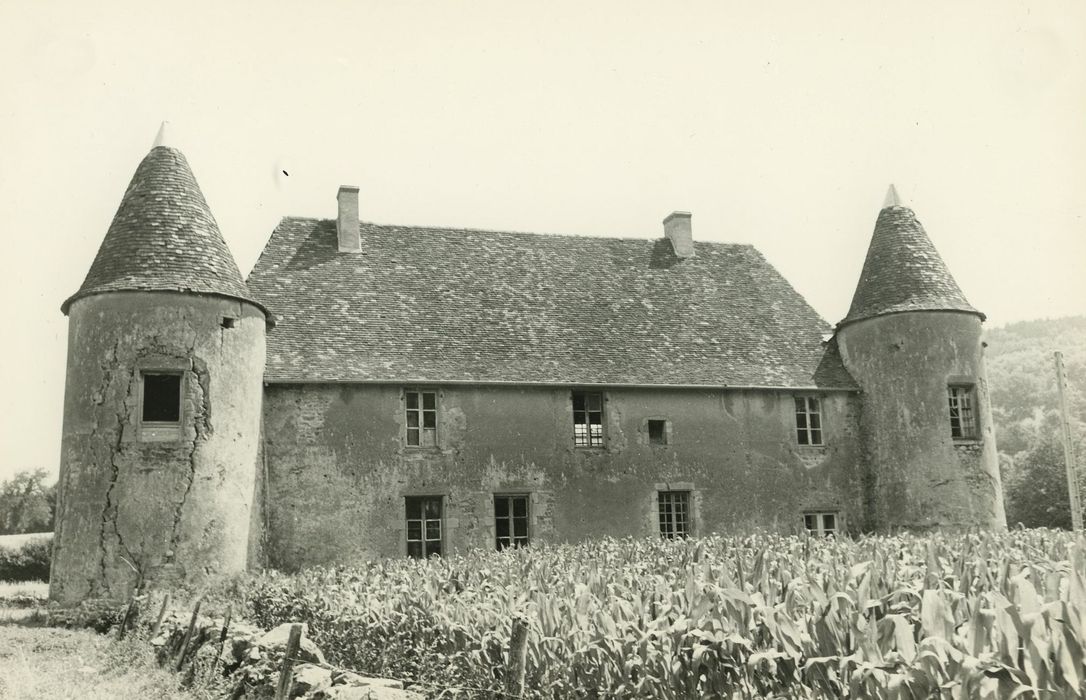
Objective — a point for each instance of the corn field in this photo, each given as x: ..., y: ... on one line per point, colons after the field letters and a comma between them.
x: 936, y: 616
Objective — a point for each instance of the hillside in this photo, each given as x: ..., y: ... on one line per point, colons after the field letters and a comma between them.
x: 1024, y: 404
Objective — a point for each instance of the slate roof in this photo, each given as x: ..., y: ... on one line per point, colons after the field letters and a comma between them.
x: 903, y: 272
x: 432, y: 305
x: 163, y: 238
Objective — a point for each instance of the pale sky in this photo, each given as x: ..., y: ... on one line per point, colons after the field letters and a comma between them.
x: 779, y: 124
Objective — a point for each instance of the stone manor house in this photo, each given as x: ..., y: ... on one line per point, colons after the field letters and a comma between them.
x: 379, y: 390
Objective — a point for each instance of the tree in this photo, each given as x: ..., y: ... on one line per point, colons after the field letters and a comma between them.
x: 27, y: 503
x: 1035, y: 493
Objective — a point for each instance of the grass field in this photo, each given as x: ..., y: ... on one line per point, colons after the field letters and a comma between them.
x: 42, y: 662
x: 15, y: 541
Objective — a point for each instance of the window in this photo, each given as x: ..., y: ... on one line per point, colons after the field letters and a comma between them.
x: 808, y: 420
x: 674, y: 513
x: 587, y: 419
x: 423, y: 526
x: 657, y: 432
x: 421, y: 418
x: 511, y: 521
x: 821, y: 524
x: 963, y: 419
x: 161, y: 400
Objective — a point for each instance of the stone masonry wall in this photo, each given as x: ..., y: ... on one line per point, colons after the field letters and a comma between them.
x: 339, y: 470
x: 137, y: 503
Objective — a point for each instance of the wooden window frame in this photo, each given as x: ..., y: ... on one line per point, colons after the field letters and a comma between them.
x: 428, y: 546
x: 962, y: 401
x: 814, y: 522
x: 512, y: 539
x: 419, y: 412
x: 158, y: 430
x: 584, y: 437
x: 810, y: 428
x: 675, y: 523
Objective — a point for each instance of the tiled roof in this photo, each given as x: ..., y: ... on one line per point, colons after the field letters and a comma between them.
x: 163, y: 237
x: 903, y: 272
x: 433, y: 305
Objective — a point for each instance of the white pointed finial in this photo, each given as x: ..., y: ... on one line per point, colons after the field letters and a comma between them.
x: 893, y: 199
x: 161, y: 139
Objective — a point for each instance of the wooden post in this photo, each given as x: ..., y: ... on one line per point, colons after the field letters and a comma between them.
x: 188, y: 635
x: 222, y: 643
x: 286, y: 675
x: 518, y: 655
x: 161, y: 616
x: 1068, y: 448
x: 129, y: 614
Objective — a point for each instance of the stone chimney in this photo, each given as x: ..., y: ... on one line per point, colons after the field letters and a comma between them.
x: 347, y: 220
x: 677, y: 230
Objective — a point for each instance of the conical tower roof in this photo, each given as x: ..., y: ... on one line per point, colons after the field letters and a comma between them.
x: 164, y: 238
x: 903, y: 271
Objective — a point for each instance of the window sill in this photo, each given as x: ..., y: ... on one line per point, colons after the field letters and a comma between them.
x: 159, y: 432
x: 811, y: 447
x: 967, y: 442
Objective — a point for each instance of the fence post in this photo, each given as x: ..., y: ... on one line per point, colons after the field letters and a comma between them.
x: 518, y: 655
x: 188, y: 635
x: 286, y: 675
x: 161, y: 616
x: 222, y: 643
x: 129, y: 614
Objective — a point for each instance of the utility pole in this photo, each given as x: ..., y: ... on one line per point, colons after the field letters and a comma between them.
x: 1068, y: 449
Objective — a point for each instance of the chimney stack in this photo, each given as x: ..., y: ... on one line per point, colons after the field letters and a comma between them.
x: 347, y: 221
x: 677, y: 230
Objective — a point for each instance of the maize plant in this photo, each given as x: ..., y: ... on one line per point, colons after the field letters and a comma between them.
x: 980, y: 615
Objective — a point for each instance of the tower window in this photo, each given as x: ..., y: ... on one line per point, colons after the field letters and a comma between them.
x: 963, y: 417
x: 821, y: 524
x: 674, y: 508
x: 808, y: 420
x: 657, y: 432
x: 421, y: 418
x: 425, y: 517
x: 511, y: 521
x: 587, y: 419
x: 161, y: 400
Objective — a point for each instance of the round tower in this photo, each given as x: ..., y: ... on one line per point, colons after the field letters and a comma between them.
x: 913, y: 344
x: 162, y: 406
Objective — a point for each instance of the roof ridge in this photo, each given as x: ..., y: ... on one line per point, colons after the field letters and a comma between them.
x: 547, y: 234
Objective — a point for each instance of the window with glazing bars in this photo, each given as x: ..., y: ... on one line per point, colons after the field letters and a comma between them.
x: 821, y: 524
x: 808, y: 420
x: 674, y: 513
x: 421, y: 418
x: 511, y: 521
x: 963, y: 420
x: 424, y: 525
x: 587, y: 419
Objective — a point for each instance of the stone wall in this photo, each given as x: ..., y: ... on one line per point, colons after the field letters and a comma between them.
x: 922, y: 478
x: 339, y: 469
x: 138, y: 501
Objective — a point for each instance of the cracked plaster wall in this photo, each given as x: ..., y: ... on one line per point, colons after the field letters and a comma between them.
x: 338, y: 470
x: 136, y: 505
x: 920, y: 477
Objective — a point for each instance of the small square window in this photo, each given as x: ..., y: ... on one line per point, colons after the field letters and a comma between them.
x: 821, y: 524
x: 587, y: 419
x: 674, y: 509
x: 421, y: 418
x: 161, y: 400
x: 511, y: 521
x: 963, y: 418
x: 425, y: 518
x: 657, y: 432
x: 808, y: 420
